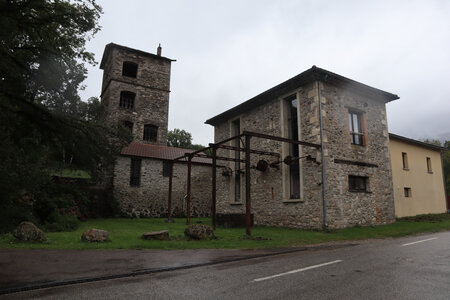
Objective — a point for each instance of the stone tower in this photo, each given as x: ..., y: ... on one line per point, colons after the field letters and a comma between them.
x: 135, y: 91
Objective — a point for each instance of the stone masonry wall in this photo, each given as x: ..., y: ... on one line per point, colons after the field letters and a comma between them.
x: 151, y: 86
x: 271, y: 205
x: 347, y: 208
x: 150, y: 198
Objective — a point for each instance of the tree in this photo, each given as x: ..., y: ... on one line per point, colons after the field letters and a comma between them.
x: 179, y: 138
x: 44, y: 125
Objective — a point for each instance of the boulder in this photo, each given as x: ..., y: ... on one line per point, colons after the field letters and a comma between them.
x: 94, y: 235
x: 27, y: 231
x: 199, y: 232
x: 156, y: 235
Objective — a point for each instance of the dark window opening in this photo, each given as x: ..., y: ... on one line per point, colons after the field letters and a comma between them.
x: 294, y: 168
x: 357, y: 183
x: 356, y: 133
x: 128, y: 125
x: 127, y: 99
x: 236, y: 130
x: 135, y: 172
x: 407, y: 192
x: 129, y: 69
x: 429, y: 168
x: 150, y: 133
x: 166, y: 168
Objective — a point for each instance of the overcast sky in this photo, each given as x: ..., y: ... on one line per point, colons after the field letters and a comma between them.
x: 229, y: 51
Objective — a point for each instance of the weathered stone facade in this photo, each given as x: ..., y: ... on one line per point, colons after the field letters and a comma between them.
x: 151, y: 87
x: 149, y: 199
x: 271, y: 203
x: 149, y: 80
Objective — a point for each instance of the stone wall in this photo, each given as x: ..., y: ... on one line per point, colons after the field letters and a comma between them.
x: 271, y: 204
x: 152, y: 89
x: 150, y: 198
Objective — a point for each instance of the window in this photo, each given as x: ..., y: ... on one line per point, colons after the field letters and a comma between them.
x: 294, y: 168
x: 356, y: 133
x: 357, y: 183
x: 150, y: 133
x: 127, y: 99
x: 236, y: 130
x: 408, y: 192
x: 129, y: 69
x: 128, y: 125
x: 429, y: 168
x: 135, y: 172
x: 166, y: 168
x: 405, y: 160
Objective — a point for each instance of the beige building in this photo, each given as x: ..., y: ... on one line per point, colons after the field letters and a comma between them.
x: 417, y: 177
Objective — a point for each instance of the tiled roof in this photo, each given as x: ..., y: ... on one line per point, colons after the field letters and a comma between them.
x: 160, y: 152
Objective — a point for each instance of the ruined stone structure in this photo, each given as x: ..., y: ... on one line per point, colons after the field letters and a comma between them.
x: 135, y: 91
x: 358, y: 179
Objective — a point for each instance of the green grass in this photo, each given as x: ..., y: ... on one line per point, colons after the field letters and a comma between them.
x: 126, y: 234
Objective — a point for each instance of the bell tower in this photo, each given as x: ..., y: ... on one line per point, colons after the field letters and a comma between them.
x: 135, y: 91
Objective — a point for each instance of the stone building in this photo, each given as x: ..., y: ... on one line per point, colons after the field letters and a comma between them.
x: 135, y: 91
x: 347, y: 118
x: 417, y: 176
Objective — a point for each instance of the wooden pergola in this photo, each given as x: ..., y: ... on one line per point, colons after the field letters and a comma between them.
x: 247, y: 135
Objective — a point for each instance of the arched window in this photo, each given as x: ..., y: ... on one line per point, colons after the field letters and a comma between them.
x: 129, y: 69
x: 127, y: 99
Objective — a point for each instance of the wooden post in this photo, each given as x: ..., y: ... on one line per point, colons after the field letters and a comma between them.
x: 188, y: 204
x: 247, y: 185
x: 169, y: 204
x: 213, y: 198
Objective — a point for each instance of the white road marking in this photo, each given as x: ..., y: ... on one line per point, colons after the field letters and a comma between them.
x: 298, y: 270
x: 435, y: 238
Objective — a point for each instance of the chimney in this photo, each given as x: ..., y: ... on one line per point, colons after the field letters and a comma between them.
x: 158, y: 51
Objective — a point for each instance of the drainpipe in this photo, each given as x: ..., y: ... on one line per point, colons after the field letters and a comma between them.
x: 322, y: 150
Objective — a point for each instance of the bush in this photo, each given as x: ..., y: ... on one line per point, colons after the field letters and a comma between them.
x: 62, y: 223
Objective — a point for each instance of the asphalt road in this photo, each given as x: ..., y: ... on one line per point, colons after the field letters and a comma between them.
x: 408, y: 268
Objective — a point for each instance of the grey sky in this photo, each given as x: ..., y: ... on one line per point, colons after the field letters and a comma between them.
x: 229, y: 51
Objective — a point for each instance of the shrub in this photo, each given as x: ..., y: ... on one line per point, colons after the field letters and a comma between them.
x: 62, y: 222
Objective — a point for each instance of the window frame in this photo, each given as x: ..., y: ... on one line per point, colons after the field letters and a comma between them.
x: 150, y: 136
x: 405, y: 161
x: 127, y: 99
x: 429, y: 166
x: 135, y: 171
x: 129, y: 69
x: 351, y: 127
x: 407, y: 192
x: 166, y: 168
x: 353, y: 186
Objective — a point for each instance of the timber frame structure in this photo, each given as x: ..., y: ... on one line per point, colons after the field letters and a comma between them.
x: 247, y: 135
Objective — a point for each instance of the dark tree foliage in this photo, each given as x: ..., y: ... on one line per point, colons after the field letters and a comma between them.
x: 179, y: 138
x: 44, y: 125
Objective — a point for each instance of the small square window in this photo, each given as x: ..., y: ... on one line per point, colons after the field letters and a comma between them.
x: 129, y: 69
x: 358, y: 183
x: 407, y: 191
x: 150, y: 133
x: 127, y: 99
x: 429, y: 168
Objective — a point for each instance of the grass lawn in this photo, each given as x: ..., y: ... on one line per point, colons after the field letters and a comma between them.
x: 126, y: 234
